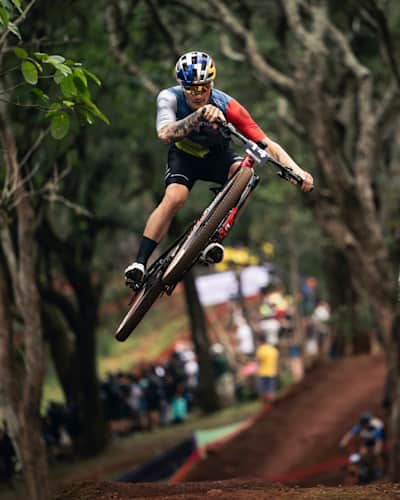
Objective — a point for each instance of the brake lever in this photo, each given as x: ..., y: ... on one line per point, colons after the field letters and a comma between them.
x: 290, y: 176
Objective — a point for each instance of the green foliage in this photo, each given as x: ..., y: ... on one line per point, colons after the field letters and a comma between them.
x: 59, y: 125
x: 29, y: 72
x: 70, y: 95
x: 71, y: 79
x: 8, y: 9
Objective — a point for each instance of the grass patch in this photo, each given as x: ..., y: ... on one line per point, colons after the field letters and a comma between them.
x: 140, y: 447
x: 165, y: 323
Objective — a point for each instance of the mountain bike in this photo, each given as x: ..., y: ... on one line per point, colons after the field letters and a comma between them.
x: 361, y: 469
x: 213, y: 225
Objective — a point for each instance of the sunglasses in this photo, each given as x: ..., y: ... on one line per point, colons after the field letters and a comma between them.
x: 197, y: 89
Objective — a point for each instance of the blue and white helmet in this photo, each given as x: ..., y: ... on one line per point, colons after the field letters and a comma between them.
x: 195, y: 68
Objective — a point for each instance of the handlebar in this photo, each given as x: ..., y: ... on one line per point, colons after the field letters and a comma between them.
x: 258, y: 154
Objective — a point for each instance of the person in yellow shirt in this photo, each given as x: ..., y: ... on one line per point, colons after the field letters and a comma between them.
x: 267, y: 356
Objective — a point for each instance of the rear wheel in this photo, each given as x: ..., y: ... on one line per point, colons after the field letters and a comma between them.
x: 148, y: 294
x: 208, y: 224
x: 143, y: 300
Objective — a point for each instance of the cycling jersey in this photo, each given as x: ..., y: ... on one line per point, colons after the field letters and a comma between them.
x: 172, y: 106
x: 369, y: 432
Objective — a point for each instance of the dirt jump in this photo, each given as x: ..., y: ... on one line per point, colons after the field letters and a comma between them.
x: 291, y: 451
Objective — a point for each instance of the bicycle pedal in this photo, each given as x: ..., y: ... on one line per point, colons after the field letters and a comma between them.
x: 134, y: 286
x: 213, y: 253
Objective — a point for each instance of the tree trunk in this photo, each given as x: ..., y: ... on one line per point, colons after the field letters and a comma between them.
x: 394, y: 424
x: 32, y: 444
x: 294, y: 281
x: 242, y: 304
x: 94, y: 434
x: 338, y: 280
x: 63, y: 354
x: 208, y: 397
x: 23, y: 264
x: 77, y: 366
x: 10, y: 390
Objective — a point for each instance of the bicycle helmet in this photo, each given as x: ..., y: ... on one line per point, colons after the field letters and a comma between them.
x: 195, y: 68
x: 365, y: 418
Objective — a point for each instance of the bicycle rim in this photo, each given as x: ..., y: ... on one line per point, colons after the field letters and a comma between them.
x: 196, y: 241
x: 144, y: 299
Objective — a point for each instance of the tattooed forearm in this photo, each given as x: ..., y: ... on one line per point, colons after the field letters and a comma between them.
x: 178, y: 130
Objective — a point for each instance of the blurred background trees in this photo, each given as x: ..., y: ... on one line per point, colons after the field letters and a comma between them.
x: 322, y: 78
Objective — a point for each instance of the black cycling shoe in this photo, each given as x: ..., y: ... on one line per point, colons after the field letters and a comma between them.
x: 134, y: 275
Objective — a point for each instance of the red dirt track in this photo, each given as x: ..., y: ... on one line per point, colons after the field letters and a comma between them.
x: 301, y: 431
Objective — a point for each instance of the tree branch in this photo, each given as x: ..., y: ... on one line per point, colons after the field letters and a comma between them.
x: 351, y: 61
x: 379, y: 19
x: 64, y: 305
x: 201, y: 12
x: 311, y: 39
x: 227, y: 19
x: 10, y: 256
x: 34, y: 147
x: 164, y: 29
x: 115, y: 48
x: 18, y: 21
x: 389, y: 103
x: 227, y: 49
x: 365, y: 152
x: 288, y: 120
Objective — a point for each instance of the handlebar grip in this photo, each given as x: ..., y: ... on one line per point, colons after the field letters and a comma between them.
x: 297, y: 178
x: 288, y: 176
x: 220, y: 122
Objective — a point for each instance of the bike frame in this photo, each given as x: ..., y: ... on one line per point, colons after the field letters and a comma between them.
x: 213, y: 224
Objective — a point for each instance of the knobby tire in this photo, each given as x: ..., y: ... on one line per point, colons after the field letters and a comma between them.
x: 197, y: 240
x: 151, y: 290
x: 142, y: 303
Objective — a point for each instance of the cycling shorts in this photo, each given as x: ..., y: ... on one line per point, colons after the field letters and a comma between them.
x: 186, y: 169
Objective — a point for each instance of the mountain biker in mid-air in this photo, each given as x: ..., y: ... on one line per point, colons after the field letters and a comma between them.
x: 185, y: 120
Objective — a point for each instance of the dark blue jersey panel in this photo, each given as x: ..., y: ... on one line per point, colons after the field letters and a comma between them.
x: 218, y: 99
x: 205, y: 133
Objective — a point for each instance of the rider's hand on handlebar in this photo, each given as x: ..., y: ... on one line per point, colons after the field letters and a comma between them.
x: 308, y: 181
x: 211, y: 113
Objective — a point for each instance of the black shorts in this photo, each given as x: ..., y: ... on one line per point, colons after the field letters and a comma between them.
x: 183, y: 168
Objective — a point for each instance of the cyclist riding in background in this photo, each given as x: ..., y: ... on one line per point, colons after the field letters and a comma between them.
x: 185, y: 120
x: 368, y: 433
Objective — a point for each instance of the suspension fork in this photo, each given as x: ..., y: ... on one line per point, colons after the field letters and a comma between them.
x: 234, y: 213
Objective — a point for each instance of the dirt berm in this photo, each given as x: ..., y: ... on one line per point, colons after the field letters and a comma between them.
x: 300, y: 432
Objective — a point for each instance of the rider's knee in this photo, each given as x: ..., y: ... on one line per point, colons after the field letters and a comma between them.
x: 233, y: 168
x: 175, y: 197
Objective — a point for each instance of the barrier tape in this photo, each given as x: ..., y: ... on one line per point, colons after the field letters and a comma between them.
x: 200, y: 453
x: 312, y: 470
